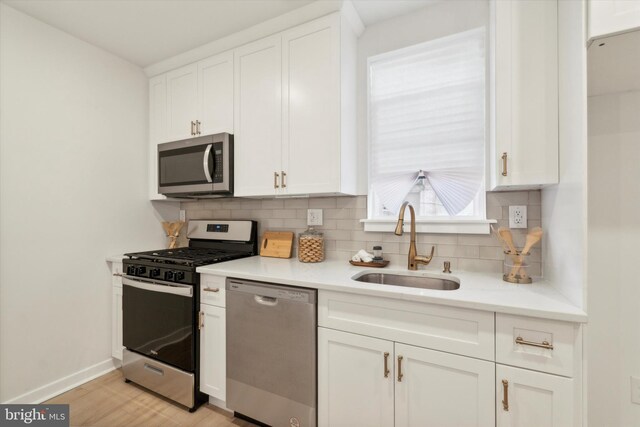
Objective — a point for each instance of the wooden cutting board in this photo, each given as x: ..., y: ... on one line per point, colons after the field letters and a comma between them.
x: 277, y: 244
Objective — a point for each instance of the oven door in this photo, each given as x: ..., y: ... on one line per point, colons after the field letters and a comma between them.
x: 158, y: 321
x: 196, y: 166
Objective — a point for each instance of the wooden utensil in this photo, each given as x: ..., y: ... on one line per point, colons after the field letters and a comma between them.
x: 277, y: 244
x: 173, y: 231
x: 532, y: 238
x: 505, y: 234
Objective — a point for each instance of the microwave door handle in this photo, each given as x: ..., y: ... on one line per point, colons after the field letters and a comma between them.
x: 205, y: 163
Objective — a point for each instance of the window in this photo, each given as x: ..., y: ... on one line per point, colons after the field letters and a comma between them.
x: 427, y: 129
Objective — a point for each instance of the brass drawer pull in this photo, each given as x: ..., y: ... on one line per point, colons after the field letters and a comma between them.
x: 198, y: 127
x: 504, y: 164
x: 275, y: 180
x: 193, y: 125
x: 211, y: 289
x: 284, y: 183
x: 200, y: 320
x: 400, y: 374
x: 543, y: 344
x: 386, y: 364
x: 505, y: 395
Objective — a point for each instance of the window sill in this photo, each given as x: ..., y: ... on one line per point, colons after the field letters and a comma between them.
x: 445, y: 226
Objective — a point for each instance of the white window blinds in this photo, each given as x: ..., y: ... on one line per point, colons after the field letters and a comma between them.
x: 427, y: 123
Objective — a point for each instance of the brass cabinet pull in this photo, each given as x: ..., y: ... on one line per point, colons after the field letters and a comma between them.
x: 200, y: 320
x: 386, y: 364
x: 543, y: 344
x: 193, y: 132
x: 275, y: 180
x: 198, y: 127
x: 504, y: 164
x: 400, y: 375
x: 211, y: 289
x: 284, y: 175
x: 505, y: 395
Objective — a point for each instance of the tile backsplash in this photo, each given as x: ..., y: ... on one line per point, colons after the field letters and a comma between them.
x: 344, y: 234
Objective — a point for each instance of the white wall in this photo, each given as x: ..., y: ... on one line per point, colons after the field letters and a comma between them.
x: 435, y: 21
x: 564, y: 206
x: 613, y: 346
x: 73, y: 189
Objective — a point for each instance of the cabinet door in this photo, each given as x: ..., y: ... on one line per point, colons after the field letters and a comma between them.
x: 215, y: 94
x: 213, y: 367
x: 311, y: 107
x: 353, y: 389
x: 116, y: 323
x: 182, y: 89
x: 533, y: 399
x: 258, y: 117
x: 157, y: 129
x: 441, y: 389
x: 526, y: 94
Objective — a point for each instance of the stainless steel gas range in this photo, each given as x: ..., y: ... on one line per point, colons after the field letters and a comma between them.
x: 160, y: 306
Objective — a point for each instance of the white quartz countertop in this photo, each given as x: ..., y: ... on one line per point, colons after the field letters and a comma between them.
x: 115, y: 258
x: 480, y: 291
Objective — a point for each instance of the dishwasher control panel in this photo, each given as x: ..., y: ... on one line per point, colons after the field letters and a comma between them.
x: 272, y: 291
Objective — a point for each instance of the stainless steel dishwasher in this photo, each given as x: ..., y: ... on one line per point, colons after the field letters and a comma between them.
x: 271, y: 353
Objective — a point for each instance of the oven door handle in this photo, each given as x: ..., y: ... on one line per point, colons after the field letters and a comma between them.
x: 205, y: 163
x: 165, y: 288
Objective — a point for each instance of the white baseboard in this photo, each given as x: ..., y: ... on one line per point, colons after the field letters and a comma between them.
x: 57, y: 387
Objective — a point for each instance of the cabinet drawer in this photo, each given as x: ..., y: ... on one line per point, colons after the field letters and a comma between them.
x: 116, y: 271
x: 455, y: 330
x: 539, y: 344
x: 212, y: 290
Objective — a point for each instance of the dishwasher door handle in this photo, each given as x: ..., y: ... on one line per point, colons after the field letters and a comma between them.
x: 270, y: 301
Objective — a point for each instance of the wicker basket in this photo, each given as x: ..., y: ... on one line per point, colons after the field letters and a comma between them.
x: 311, y: 246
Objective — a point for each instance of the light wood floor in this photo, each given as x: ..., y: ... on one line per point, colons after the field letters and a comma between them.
x: 110, y: 402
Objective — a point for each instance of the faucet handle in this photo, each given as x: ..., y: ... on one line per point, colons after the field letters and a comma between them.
x: 447, y: 267
x: 425, y: 259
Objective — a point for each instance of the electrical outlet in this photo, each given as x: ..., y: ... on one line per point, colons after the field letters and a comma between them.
x: 635, y: 390
x: 183, y: 215
x: 517, y: 217
x: 314, y: 216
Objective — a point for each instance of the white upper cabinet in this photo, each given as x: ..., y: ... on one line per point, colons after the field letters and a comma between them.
x: 182, y: 87
x: 258, y: 117
x: 297, y: 135
x: 311, y: 113
x: 524, y: 128
x: 611, y: 17
x: 200, y: 98
x: 215, y: 94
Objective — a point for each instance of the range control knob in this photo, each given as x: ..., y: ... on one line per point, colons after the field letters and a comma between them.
x: 179, y: 275
x: 131, y: 270
x: 140, y: 271
x: 168, y: 275
x: 154, y: 272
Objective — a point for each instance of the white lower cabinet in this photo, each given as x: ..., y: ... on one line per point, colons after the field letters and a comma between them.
x: 433, y: 388
x: 116, y: 323
x: 116, y: 310
x: 532, y: 399
x: 213, y: 351
x: 213, y: 337
x: 373, y: 382
x: 354, y: 389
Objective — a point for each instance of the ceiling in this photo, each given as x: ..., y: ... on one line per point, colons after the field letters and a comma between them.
x: 614, y: 64
x: 145, y: 32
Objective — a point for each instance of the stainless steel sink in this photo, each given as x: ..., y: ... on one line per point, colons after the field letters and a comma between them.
x: 422, y: 282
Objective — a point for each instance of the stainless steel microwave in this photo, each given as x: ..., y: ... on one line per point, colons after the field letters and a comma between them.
x: 197, y: 167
